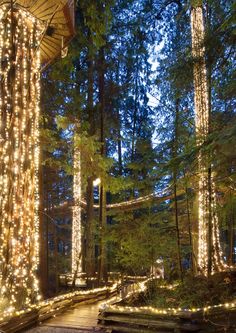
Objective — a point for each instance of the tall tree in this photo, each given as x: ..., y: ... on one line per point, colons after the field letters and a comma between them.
x: 209, y: 252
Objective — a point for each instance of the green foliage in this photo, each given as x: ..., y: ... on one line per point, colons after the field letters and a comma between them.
x: 194, y: 292
x: 97, y: 18
x: 115, y: 185
x: 136, y: 240
x: 148, y: 77
x: 196, y: 3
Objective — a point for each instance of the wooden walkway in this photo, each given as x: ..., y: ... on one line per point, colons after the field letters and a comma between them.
x: 82, y: 319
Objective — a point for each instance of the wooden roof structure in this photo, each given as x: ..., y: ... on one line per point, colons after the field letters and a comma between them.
x: 57, y: 18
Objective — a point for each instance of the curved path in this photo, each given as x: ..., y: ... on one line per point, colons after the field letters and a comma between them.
x: 81, y: 319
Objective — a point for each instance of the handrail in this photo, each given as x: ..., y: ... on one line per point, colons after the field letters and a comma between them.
x: 125, y: 205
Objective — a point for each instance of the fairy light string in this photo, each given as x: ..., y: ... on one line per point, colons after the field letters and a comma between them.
x: 201, y: 102
x: 52, y: 303
x: 19, y: 159
x: 76, y: 213
x: 142, y: 287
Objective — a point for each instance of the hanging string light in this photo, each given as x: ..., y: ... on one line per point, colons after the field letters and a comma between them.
x: 201, y: 101
x: 19, y: 159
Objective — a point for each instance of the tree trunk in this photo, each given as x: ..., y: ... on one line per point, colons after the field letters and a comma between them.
x: 231, y: 232
x: 76, y: 262
x: 102, y: 262
x: 19, y: 158
x: 119, y: 137
x: 175, y: 170
x: 190, y: 232
x: 102, y: 268
x: 135, y: 115
x: 209, y: 258
x: 89, y: 228
x: 209, y: 245
x: 55, y: 255
x: 43, y: 263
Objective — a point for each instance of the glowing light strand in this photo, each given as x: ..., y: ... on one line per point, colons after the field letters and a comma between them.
x: 19, y: 159
x: 8, y: 313
x: 201, y: 101
x: 163, y: 195
x: 141, y: 287
x: 76, y: 219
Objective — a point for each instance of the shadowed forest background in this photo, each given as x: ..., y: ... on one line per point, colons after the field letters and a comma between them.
x: 124, y: 96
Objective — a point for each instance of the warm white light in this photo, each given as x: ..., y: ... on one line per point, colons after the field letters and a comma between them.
x: 97, y: 182
x: 201, y: 102
x: 76, y: 217
x: 19, y: 156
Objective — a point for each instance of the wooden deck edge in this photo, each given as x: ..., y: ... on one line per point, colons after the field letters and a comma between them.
x: 114, y: 319
x: 35, y: 316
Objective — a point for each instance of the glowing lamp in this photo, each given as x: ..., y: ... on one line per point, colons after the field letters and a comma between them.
x: 97, y: 182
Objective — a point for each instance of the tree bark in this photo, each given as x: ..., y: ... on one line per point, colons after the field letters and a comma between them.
x: 102, y: 262
x: 193, y: 264
x: 43, y: 264
x: 135, y: 114
x: 175, y: 171
x: 55, y: 255
x: 231, y: 237
x: 119, y: 145
x: 209, y: 258
x: 119, y: 137
x: 19, y: 149
x: 89, y: 229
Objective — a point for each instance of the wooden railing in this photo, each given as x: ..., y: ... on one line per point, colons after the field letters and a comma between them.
x: 114, y: 317
x: 118, y: 319
x: 122, y: 320
x: 51, y: 307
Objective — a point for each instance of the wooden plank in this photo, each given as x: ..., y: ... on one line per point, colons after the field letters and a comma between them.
x: 149, y: 323
x: 50, y: 309
x: 39, y: 6
x: 123, y: 329
x: 148, y: 313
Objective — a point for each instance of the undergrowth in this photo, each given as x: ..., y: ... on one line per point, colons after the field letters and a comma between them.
x: 192, y: 292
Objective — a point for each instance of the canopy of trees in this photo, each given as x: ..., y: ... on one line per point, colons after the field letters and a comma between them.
x: 124, y: 97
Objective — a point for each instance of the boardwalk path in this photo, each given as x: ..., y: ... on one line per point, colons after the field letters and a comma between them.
x: 82, y: 319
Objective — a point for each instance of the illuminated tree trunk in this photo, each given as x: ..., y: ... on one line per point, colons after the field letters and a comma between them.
x: 76, y: 223
x: 19, y: 156
x: 209, y: 252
